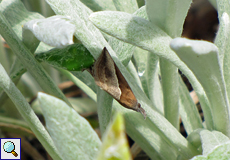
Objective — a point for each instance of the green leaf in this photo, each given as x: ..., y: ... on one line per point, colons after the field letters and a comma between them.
x: 83, y: 106
x: 27, y: 113
x: 83, y: 85
x: 140, y: 59
x: 221, y: 152
x: 39, y: 6
x: 202, y: 58
x: 30, y: 41
x: 214, y: 4
x: 15, y: 126
x: 169, y: 81
x: 166, y: 15
x: 115, y: 145
x: 85, y: 31
x: 194, y: 139
x: 99, y: 5
x: 222, y: 41
x: 188, y: 111
x: 56, y: 31
x: 16, y: 71
x: 17, y: 15
x: 129, y: 6
x: 123, y: 50
x: 104, y: 109
x: 4, y: 57
x: 211, y: 139
x: 169, y: 15
x: 72, y: 58
x: 87, y: 78
x: 153, y: 82
x: 199, y: 158
x: 12, y: 7
x: 71, y: 133
x: 132, y: 70
x: 156, y: 132
x: 222, y: 6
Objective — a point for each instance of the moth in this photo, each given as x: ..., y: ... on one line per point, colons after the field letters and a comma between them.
x: 109, y: 78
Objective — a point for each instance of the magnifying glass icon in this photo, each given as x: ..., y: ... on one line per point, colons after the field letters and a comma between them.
x: 9, y: 147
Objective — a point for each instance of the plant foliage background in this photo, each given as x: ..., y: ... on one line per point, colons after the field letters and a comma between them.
x: 143, y: 38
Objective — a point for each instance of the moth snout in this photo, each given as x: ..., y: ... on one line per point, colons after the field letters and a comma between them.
x: 141, y: 110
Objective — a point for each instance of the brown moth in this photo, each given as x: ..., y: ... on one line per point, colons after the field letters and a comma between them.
x: 109, y: 78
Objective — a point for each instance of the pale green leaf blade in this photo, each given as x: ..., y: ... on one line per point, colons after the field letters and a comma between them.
x: 202, y: 58
x: 222, y: 38
x: 16, y: 71
x: 56, y: 31
x: 104, y: 109
x: 156, y: 132
x: 17, y: 15
x: 27, y: 113
x: 39, y: 6
x: 222, y: 6
x: 22, y: 52
x: 30, y: 41
x: 169, y: 15
x: 134, y: 30
x: 140, y: 59
x: 71, y: 133
x: 124, y: 51
x: 212, y: 139
x: 199, y: 158
x: 86, y: 77
x: 99, y: 5
x: 222, y: 41
x: 221, y: 152
x: 85, y: 31
x: 169, y: 81
x: 188, y: 110
x: 195, y: 140
x: 80, y: 84
x: 132, y: 70
x: 83, y: 106
x: 15, y: 126
x: 153, y: 81
x: 214, y: 4
x: 115, y: 144
x: 129, y: 6
x: 166, y: 15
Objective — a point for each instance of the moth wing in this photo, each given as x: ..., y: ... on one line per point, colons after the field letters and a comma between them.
x: 105, y: 74
x: 127, y: 98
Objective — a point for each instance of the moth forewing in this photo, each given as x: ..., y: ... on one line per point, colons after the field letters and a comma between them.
x: 127, y: 98
x: 105, y: 74
x: 109, y: 78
